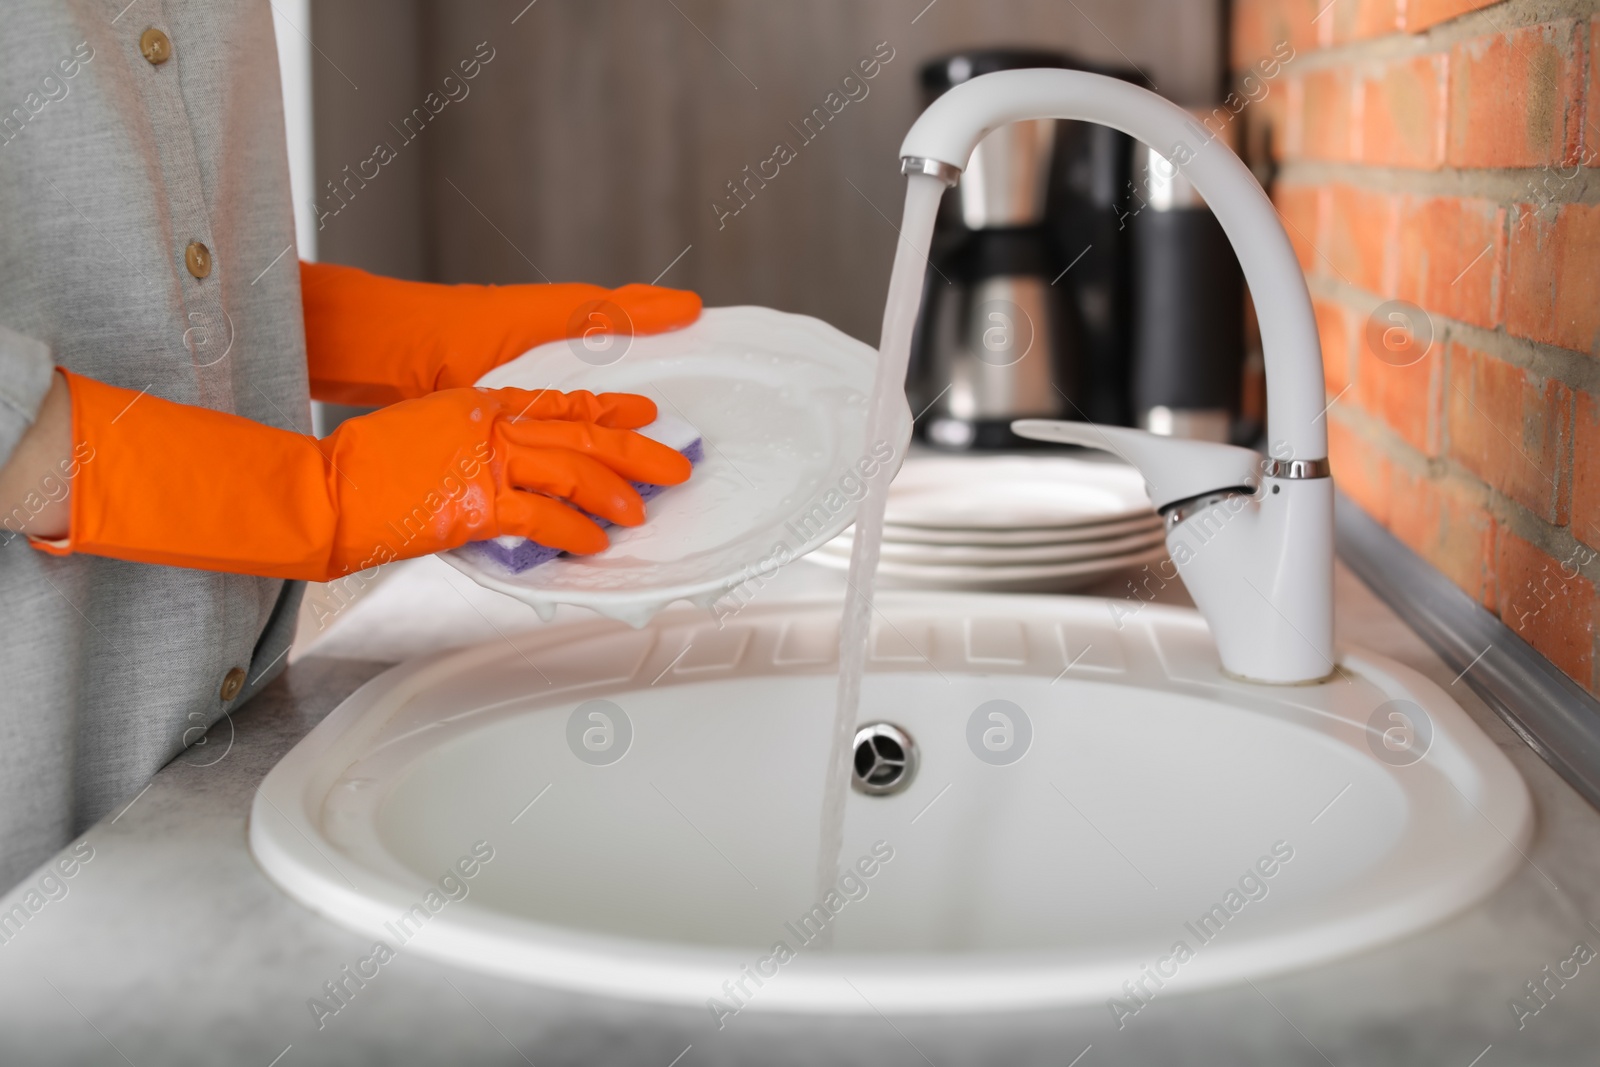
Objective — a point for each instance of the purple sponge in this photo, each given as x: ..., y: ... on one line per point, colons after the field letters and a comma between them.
x: 518, y: 554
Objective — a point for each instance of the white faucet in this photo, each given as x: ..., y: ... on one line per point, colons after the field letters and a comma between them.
x: 1251, y: 535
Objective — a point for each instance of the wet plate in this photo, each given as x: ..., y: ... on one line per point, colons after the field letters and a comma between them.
x: 780, y: 402
x: 1063, y: 577
x: 1006, y: 493
x: 1002, y: 555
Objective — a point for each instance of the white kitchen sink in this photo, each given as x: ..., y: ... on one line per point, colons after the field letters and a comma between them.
x: 1157, y: 803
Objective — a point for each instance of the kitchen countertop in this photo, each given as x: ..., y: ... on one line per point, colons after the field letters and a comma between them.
x: 170, y: 947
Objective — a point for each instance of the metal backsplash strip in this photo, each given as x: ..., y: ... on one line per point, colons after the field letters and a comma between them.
x: 1548, y: 710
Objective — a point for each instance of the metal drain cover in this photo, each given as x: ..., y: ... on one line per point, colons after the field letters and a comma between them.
x: 885, y: 759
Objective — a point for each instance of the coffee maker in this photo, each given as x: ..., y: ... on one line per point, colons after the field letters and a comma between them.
x: 1025, y: 308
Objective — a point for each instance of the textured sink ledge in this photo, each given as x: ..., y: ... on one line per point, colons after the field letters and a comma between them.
x: 171, y: 948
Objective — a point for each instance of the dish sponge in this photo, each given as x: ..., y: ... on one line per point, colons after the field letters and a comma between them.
x: 518, y: 554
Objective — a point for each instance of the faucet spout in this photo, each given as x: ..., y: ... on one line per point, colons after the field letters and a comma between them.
x: 948, y: 131
x: 1252, y: 536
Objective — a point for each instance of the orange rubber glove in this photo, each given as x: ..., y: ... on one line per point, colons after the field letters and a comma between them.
x: 373, y: 340
x: 190, y: 487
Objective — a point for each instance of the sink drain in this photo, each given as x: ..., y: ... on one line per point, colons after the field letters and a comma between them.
x: 885, y: 760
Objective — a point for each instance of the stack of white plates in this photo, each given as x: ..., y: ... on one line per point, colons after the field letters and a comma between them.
x: 1010, y: 523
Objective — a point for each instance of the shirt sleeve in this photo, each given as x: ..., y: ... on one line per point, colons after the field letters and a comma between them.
x: 25, y: 369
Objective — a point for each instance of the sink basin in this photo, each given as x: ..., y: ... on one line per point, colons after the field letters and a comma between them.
x: 634, y: 812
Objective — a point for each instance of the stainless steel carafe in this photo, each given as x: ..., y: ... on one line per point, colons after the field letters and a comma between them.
x: 997, y: 340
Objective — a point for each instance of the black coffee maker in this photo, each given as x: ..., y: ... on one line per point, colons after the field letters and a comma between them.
x: 1075, y: 274
x: 1025, y: 309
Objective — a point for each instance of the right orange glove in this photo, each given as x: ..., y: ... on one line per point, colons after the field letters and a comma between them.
x: 190, y: 487
x: 375, y: 340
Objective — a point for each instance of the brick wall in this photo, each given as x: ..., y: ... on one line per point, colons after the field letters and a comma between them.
x: 1438, y: 153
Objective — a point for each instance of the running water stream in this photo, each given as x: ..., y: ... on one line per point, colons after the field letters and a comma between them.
x: 883, y: 419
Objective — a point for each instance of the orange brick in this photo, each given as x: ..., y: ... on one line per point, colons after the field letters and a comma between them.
x: 1402, y: 113
x: 1295, y: 22
x: 1300, y: 207
x: 1319, y: 121
x: 1333, y: 327
x: 1359, y: 20
x: 1549, y: 604
x: 1510, y: 429
x: 1586, y: 470
x: 1293, y: 96
x: 1516, y: 98
x: 1247, y: 36
x: 1266, y: 127
x: 1446, y: 523
x: 1404, y: 398
x: 1450, y: 256
x: 1358, y: 236
x: 1360, y: 468
x: 1553, y: 278
x: 1450, y: 527
x: 1420, y: 14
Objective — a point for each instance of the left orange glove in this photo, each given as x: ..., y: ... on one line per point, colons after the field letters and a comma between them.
x: 373, y: 340
x: 186, y: 486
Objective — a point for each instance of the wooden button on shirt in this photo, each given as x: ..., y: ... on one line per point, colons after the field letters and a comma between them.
x: 156, y: 46
x: 197, y: 257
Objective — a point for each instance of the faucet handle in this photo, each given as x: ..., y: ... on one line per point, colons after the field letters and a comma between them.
x: 1174, y: 468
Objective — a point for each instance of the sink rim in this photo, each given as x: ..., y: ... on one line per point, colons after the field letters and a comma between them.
x: 288, y: 842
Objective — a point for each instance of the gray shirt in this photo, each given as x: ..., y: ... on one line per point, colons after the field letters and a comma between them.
x: 110, y: 166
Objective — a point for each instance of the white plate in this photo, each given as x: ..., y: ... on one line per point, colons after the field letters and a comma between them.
x: 780, y: 401
x: 1040, y: 578
x: 1006, y: 492
x: 1028, y: 535
x: 1006, y: 556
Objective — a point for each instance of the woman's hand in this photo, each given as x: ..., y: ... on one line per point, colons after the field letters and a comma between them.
x: 190, y: 487
x: 373, y: 340
x: 37, y: 479
x: 468, y: 464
